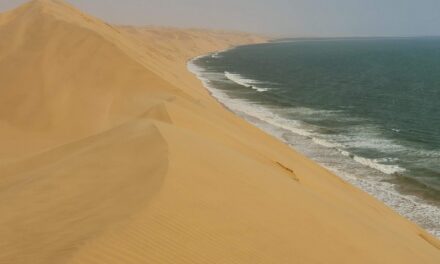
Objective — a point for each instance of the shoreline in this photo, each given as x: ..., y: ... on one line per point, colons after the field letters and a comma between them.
x: 350, y: 177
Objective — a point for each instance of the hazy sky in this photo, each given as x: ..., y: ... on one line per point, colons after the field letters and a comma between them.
x: 281, y: 17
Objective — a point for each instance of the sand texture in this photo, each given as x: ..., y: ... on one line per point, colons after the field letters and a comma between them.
x: 112, y: 152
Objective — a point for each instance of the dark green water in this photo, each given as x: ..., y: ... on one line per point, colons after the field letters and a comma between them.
x: 367, y: 108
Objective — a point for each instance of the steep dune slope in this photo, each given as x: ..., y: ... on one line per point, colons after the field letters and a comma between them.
x: 111, y: 152
x: 69, y: 79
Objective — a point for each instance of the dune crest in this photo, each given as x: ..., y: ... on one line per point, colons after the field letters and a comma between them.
x: 112, y: 152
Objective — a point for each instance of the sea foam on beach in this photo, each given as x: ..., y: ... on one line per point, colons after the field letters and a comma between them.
x: 237, y: 78
x: 336, y: 152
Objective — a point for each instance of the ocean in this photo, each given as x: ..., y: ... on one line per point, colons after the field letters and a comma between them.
x: 367, y: 109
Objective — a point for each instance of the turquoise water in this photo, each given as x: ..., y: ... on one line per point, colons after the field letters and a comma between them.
x: 367, y: 109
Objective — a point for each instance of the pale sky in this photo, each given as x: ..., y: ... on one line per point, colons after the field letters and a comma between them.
x: 279, y: 17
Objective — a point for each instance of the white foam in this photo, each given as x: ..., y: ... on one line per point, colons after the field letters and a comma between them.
x: 216, y: 55
x: 305, y: 111
x: 345, y: 153
x: 367, y: 137
x: 326, y: 143
x: 237, y: 78
x: 374, y: 164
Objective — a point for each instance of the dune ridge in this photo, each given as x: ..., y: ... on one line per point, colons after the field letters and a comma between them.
x: 112, y: 152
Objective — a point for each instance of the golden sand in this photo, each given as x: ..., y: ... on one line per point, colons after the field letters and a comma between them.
x: 112, y: 152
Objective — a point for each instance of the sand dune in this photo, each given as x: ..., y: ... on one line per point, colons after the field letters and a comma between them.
x: 112, y: 152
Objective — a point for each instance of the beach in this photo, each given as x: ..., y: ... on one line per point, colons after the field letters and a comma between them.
x: 112, y: 151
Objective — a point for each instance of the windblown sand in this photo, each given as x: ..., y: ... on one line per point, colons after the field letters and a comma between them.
x: 112, y: 152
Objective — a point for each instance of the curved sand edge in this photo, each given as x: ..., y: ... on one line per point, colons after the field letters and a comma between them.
x: 112, y: 152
